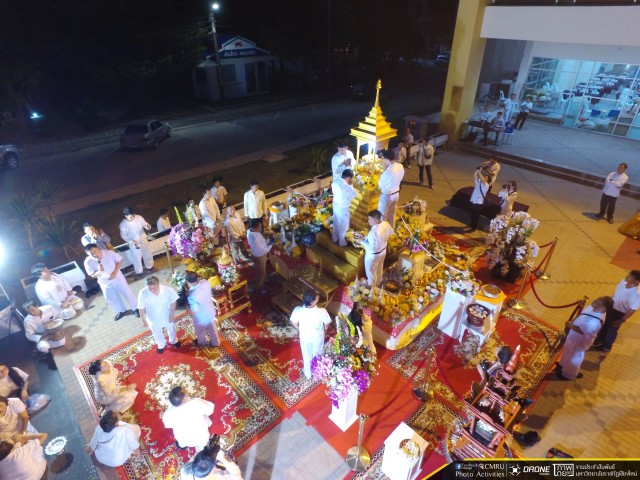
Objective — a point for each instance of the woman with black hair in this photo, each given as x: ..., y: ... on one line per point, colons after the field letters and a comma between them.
x: 13, y: 382
x: 107, y: 390
x: 363, y: 321
x: 114, y: 441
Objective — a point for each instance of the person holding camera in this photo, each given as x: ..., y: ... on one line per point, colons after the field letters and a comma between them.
x: 212, y: 463
x: 478, y: 197
x: 508, y: 194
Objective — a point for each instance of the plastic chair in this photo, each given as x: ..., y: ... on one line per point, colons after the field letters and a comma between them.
x: 507, y: 136
x: 613, y: 114
x: 502, y: 98
x: 595, y: 113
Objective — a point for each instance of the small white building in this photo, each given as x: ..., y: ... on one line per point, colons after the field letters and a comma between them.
x: 245, y: 70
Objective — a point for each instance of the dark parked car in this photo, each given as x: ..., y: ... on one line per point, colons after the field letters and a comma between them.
x: 145, y: 134
x: 363, y: 90
x: 9, y: 156
x: 442, y: 60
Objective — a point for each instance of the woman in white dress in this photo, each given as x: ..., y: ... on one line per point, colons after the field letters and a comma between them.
x: 508, y: 194
x: 13, y: 382
x: 114, y: 441
x: 359, y: 319
x: 107, y: 391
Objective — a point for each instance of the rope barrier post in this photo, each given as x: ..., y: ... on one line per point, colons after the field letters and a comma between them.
x: 516, y: 303
x: 166, y: 250
x: 425, y: 393
x: 543, y: 271
x: 358, y: 458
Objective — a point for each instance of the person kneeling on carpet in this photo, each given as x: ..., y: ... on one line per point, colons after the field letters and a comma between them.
x: 212, y: 463
x: 23, y: 457
x: 189, y: 419
x: 114, y: 441
x: 107, y: 390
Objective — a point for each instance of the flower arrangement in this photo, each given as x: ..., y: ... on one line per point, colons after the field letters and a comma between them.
x: 298, y: 200
x: 191, y: 240
x: 345, y: 364
x: 229, y: 275
x: 367, y: 174
x: 462, y: 283
x: 509, y: 247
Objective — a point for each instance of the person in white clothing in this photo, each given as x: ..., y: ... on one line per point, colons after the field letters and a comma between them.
x: 107, y: 388
x: 14, y: 382
x: 363, y: 321
x: 219, y: 193
x: 53, y: 289
x: 189, y: 418
x: 163, y: 223
x: 581, y: 332
x: 105, y: 266
x: 491, y: 169
x: 95, y: 235
x: 211, y: 464
x: 477, y: 199
x: 510, y: 107
x: 157, y: 306
x: 209, y: 209
x: 114, y: 441
x: 202, y: 310
x: 14, y: 419
x: 342, y: 160
x: 375, y: 247
x: 260, y: 252
x: 311, y: 321
x: 255, y: 203
x: 612, y: 186
x: 236, y: 233
x: 508, y: 194
x: 626, y: 302
x: 389, y: 185
x: 343, y: 194
x: 132, y: 231
x: 34, y: 326
x: 425, y: 155
x: 525, y: 107
x: 23, y: 457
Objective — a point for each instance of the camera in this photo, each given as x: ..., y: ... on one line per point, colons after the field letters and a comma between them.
x: 213, y: 446
x: 505, y: 186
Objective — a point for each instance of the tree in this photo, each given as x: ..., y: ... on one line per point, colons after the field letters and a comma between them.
x: 23, y: 210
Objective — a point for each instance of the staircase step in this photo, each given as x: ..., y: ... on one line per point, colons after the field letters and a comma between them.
x: 349, y: 254
x: 334, y: 266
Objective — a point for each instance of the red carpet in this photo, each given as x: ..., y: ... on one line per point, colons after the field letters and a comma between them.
x: 242, y: 410
x: 627, y: 256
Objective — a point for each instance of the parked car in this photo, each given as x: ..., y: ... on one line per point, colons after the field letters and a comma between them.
x: 442, y: 60
x: 363, y: 89
x: 145, y: 134
x: 9, y: 156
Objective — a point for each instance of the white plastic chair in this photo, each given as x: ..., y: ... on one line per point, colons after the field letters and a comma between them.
x: 502, y: 99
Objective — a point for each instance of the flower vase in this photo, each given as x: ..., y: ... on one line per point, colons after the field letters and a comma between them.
x: 344, y: 415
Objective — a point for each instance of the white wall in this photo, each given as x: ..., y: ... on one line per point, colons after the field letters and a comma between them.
x: 596, y: 26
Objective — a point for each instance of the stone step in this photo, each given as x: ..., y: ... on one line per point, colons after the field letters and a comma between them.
x: 333, y: 265
x: 349, y: 254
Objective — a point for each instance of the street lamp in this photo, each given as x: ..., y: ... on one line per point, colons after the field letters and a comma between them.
x: 214, y: 8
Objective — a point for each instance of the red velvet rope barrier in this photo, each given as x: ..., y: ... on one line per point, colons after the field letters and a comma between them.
x: 547, y: 244
x: 533, y: 289
x: 544, y: 259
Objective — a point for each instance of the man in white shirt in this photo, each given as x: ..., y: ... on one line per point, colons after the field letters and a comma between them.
x: 480, y: 191
x: 114, y: 441
x: 189, y: 418
x: 342, y: 160
x: 34, y: 324
x: 14, y: 419
x: 525, y: 108
x: 611, y: 191
x: 236, y: 233
x: 132, y: 231
x: 491, y: 170
x: 157, y: 306
x: 219, y: 193
x: 53, y: 289
x: 311, y: 321
x: 375, y: 247
x: 255, y: 203
x: 209, y: 209
x: 425, y: 161
x: 389, y: 185
x: 202, y: 310
x: 497, y: 126
x: 343, y: 194
x: 510, y: 107
x: 407, y: 141
x: 104, y: 265
x: 23, y: 457
x: 626, y: 301
x: 163, y: 223
x: 95, y: 235
x: 259, y: 251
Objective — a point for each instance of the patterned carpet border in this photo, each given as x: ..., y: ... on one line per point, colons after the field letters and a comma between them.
x: 276, y: 375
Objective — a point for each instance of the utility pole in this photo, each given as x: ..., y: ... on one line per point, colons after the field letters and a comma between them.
x: 212, y: 18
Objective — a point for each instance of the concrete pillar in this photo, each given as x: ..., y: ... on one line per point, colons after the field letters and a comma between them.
x: 464, y: 68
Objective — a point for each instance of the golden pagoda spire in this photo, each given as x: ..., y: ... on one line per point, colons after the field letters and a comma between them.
x: 378, y: 88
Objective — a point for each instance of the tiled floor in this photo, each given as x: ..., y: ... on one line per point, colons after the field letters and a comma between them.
x: 585, y: 417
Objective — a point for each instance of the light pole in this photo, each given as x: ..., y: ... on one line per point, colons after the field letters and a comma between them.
x: 214, y: 7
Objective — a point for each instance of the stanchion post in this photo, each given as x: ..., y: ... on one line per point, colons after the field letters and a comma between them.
x: 166, y: 250
x: 543, y: 272
x: 516, y: 303
x: 358, y: 458
x: 425, y: 392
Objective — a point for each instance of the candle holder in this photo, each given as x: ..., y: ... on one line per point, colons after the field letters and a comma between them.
x: 358, y: 458
x: 425, y: 392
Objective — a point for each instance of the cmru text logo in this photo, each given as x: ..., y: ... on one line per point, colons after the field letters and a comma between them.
x: 563, y: 469
x: 540, y: 469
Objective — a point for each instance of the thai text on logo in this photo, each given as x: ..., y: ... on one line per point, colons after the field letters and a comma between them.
x: 563, y: 469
